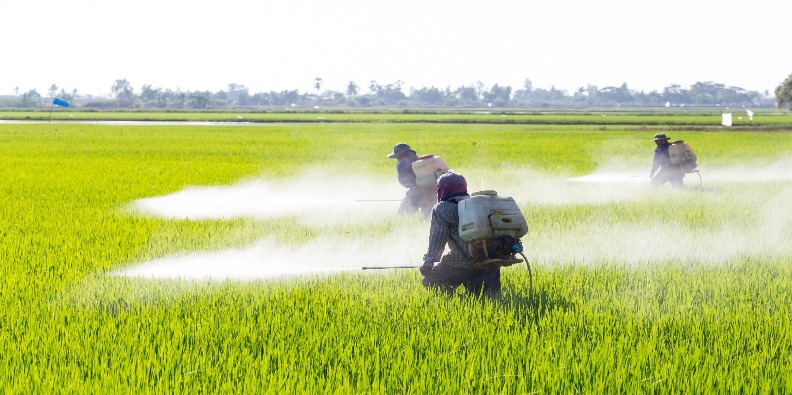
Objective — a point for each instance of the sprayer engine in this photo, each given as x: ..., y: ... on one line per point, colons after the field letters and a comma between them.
x: 499, y: 251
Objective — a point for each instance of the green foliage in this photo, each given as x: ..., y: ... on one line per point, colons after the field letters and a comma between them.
x: 67, y: 326
x: 698, y: 119
x: 783, y: 93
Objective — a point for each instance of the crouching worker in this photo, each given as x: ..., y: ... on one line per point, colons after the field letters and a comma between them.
x: 456, y: 267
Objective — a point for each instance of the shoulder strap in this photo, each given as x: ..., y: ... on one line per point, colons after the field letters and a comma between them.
x: 465, y: 252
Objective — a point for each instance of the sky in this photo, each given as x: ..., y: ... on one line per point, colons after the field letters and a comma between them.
x: 282, y: 45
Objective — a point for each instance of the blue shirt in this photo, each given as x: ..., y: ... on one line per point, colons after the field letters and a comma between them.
x: 405, y: 171
x: 662, y: 159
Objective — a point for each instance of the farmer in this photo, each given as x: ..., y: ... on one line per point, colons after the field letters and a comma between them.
x: 416, y: 198
x: 662, y: 161
x: 455, y: 267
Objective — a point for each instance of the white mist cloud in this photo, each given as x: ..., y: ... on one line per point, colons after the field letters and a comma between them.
x: 646, y: 243
x: 526, y: 185
x: 315, y: 198
x: 330, y: 253
x: 326, y: 201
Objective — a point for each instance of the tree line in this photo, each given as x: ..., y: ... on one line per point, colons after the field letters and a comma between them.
x: 700, y: 94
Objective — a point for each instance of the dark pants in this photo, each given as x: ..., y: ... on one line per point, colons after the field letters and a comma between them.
x: 476, y: 281
x: 671, y: 175
x: 418, y: 199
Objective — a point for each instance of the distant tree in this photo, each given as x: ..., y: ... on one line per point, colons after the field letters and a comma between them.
x: 162, y: 98
x: 220, y: 95
x: 284, y: 98
x: 148, y: 93
x: 675, y: 94
x: 65, y: 95
x: 244, y: 97
x: 391, y: 93
x: 431, y: 96
x: 498, y: 95
x: 783, y: 93
x: 374, y: 87
x: 467, y: 95
x: 30, y: 98
x: 549, y: 95
x: 612, y: 94
x: 480, y: 88
x: 179, y: 98
x: 524, y: 94
x: 352, y: 89
x: 123, y: 92
x: 261, y: 99
x: 199, y: 99
x: 528, y: 85
x: 333, y: 97
x: 235, y: 91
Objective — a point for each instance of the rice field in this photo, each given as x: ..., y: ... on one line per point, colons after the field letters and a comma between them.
x: 636, y: 289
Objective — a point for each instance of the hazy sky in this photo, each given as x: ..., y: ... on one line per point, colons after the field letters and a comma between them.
x: 267, y: 45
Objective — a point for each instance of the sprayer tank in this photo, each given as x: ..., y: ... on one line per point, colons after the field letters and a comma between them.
x: 427, y: 169
x: 485, y: 215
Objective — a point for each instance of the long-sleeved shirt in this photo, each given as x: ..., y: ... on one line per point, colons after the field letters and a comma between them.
x: 445, y: 230
x: 662, y: 159
x: 405, y: 171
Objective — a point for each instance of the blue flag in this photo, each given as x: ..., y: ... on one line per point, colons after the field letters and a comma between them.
x: 59, y: 102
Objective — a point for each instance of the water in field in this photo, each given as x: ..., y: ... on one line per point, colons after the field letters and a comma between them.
x: 331, y: 204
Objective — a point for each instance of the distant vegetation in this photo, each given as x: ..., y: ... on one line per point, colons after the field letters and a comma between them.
x: 699, y: 95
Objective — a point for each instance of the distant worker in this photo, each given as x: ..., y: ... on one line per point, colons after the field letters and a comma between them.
x: 416, y: 198
x: 456, y: 267
x: 662, y: 162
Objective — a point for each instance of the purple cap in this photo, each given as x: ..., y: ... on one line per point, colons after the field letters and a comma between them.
x: 450, y: 184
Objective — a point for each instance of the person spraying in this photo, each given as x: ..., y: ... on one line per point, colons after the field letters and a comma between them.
x: 673, y: 160
x: 420, y: 192
x: 482, y: 233
x: 662, y: 171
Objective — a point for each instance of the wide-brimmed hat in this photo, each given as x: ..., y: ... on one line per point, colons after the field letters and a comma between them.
x: 660, y: 136
x: 399, y: 150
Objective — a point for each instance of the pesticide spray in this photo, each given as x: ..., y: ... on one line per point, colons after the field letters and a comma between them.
x: 594, y: 239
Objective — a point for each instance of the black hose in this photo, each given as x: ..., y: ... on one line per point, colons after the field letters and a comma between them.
x: 530, y: 276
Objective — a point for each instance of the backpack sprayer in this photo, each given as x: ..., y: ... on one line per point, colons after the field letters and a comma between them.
x: 684, y: 158
x: 492, y: 226
x: 427, y: 169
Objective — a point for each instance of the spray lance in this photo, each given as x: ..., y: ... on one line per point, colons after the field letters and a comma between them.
x: 491, y: 226
x: 527, y: 264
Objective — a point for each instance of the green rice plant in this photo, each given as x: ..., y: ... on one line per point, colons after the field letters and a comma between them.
x: 703, y: 306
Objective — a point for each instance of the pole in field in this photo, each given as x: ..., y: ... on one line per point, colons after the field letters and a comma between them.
x: 57, y: 102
